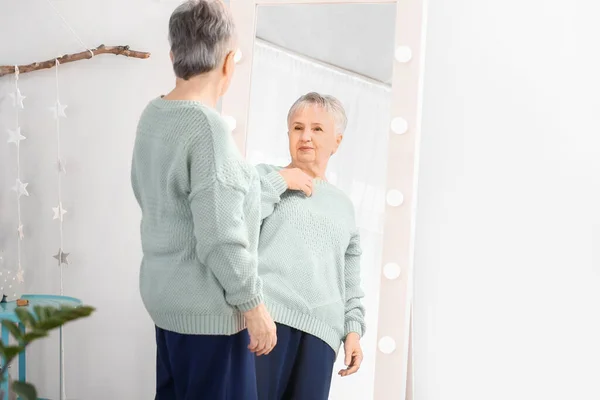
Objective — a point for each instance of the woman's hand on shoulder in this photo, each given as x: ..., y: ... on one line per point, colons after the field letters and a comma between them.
x: 354, y: 354
x: 297, y: 179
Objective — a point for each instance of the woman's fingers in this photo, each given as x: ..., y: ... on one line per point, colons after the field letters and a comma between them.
x: 261, y: 346
x: 253, y: 344
x: 307, y: 189
x: 263, y: 351
x: 353, y: 367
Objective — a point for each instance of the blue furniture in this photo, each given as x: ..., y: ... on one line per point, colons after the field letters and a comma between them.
x: 7, y: 312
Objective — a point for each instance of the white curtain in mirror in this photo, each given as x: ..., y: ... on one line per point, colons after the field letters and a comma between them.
x: 279, y: 77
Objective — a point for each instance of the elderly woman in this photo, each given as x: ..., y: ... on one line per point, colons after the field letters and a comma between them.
x: 309, y: 260
x: 200, y: 206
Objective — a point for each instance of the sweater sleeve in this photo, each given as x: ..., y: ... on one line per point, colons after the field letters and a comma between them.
x: 272, y: 186
x: 226, y: 236
x: 354, y: 310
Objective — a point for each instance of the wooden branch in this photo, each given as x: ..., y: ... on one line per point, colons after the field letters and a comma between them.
x: 102, y: 49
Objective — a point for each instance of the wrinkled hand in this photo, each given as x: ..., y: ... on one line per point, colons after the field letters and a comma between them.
x: 354, y: 354
x: 262, y: 330
x: 297, y: 179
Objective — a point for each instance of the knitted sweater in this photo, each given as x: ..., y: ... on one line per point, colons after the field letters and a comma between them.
x: 200, y: 222
x: 309, y: 259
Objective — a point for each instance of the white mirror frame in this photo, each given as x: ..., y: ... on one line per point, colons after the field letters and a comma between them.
x: 393, y: 370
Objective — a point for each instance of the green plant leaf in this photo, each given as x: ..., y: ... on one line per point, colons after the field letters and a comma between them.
x: 13, y: 328
x: 39, y: 312
x: 25, y: 317
x: 34, y: 335
x: 11, y: 352
x: 26, y: 391
x: 50, y: 324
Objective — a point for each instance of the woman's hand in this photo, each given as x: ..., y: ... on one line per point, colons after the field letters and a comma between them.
x: 297, y: 179
x: 354, y: 354
x: 262, y: 330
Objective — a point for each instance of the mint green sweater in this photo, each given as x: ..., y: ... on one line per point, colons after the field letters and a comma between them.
x: 200, y: 205
x: 309, y: 259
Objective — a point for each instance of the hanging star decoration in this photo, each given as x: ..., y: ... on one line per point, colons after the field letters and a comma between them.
x: 62, y: 257
x: 58, y: 110
x: 59, y: 211
x: 20, y: 188
x: 20, y: 232
x: 20, y: 277
x: 17, y: 98
x: 14, y: 136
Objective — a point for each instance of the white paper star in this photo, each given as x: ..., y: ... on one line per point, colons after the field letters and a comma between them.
x: 20, y: 232
x: 62, y: 257
x: 61, y: 164
x: 17, y: 98
x: 20, y: 277
x: 58, y: 110
x: 15, y: 136
x: 59, y: 211
x: 20, y: 188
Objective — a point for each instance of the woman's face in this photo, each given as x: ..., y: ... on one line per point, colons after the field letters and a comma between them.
x: 312, y: 135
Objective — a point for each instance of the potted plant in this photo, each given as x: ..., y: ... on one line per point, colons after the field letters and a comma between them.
x: 38, y: 325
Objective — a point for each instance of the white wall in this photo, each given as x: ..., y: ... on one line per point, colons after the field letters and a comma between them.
x: 507, y: 248
x: 111, y: 355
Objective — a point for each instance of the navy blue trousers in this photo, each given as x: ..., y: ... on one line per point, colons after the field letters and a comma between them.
x: 203, y: 367
x: 299, y: 367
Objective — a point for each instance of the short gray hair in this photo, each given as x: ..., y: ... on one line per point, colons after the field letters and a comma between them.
x: 331, y: 104
x: 201, y: 34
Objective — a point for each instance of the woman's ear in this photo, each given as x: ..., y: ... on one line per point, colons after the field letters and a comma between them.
x: 171, y: 56
x: 338, y: 141
x: 229, y: 64
x: 227, y: 71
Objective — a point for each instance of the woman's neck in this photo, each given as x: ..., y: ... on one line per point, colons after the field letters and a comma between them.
x: 199, y: 88
x: 314, y: 170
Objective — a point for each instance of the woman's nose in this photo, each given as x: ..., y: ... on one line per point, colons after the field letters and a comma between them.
x: 306, y: 135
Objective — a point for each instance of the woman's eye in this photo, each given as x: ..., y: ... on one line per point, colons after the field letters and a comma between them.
x: 318, y: 129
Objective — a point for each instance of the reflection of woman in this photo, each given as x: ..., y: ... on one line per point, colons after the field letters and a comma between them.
x: 200, y: 222
x: 309, y: 260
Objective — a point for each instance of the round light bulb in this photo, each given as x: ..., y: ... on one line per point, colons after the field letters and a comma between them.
x: 231, y: 122
x: 392, y: 271
x: 399, y: 125
x: 395, y: 198
x: 237, y: 57
x: 387, y: 345
x: 403, y: 54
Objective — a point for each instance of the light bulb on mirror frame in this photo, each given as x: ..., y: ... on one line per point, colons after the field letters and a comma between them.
x: 403, y: 54
x: 387, y: 345
x: 392, y: 271
x: 237, y: 57
x: 230, y: 121
x: 394, y: 198
x: 399, y: 125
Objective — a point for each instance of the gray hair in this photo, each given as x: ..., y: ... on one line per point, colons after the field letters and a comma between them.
x: 201, y: 34
x: 331, y: 104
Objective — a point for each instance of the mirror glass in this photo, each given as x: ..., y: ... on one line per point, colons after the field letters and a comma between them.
x: 346, y: 51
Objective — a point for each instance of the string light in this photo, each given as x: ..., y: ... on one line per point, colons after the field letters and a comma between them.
x: 58, y: 113
x: 15, y: 137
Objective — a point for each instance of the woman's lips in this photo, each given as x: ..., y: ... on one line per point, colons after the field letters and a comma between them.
x: 305, y: 148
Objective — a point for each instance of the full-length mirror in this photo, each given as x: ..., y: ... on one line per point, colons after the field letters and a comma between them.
x: 320, y: 103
